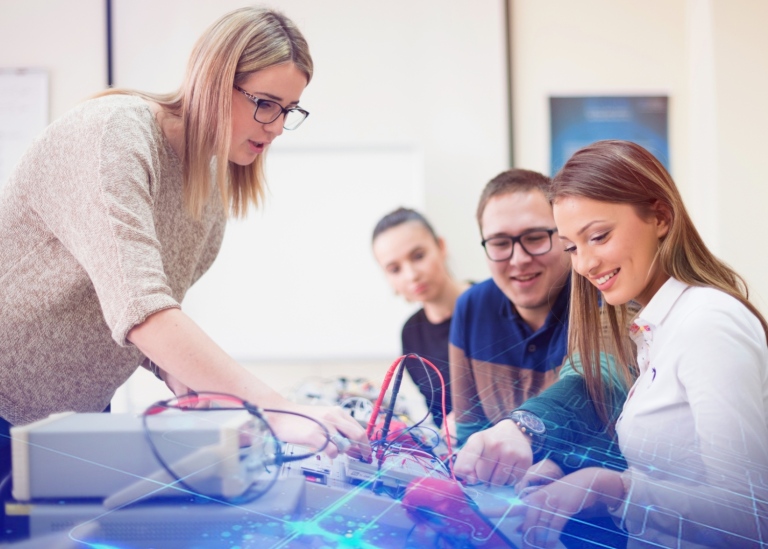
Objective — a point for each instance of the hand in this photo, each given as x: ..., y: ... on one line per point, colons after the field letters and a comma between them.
x: 174, y: 384
x: 298, y: 430
x: 548, y: 509
x: 538, y: 475
x: 498, y: 455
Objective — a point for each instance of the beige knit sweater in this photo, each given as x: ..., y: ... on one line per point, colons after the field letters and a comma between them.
x: 93, y: 239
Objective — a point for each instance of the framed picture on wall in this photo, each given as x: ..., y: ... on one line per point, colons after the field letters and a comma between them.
x: 579, y: 121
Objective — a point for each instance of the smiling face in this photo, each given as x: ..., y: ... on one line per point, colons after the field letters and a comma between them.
x: 280, y: 83
x: 613, y: 247
x: 532, y: 283
x: 413, y: 261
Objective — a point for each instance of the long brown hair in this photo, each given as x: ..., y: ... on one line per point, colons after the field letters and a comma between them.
x: 623, y: 172
x: 240, y: 43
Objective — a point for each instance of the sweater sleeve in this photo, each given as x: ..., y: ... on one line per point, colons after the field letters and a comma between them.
x: 101, y: 210
x: 576, y: 436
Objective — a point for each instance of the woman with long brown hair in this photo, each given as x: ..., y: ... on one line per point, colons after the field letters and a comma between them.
x: 694, y: 428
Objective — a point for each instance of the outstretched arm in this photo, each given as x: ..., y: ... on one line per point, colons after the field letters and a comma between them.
x: 182, y: 349
x: 576, y: 436
x: 498, y: 455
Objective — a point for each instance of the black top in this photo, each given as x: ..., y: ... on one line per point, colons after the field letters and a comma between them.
x: 429, y: 341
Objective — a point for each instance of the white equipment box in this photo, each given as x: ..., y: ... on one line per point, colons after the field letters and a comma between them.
x: 96, y: 455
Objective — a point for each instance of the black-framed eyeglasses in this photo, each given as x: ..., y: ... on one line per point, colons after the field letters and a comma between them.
x: 533, y: 242
x: 217, y: 445
x: 268, y: 111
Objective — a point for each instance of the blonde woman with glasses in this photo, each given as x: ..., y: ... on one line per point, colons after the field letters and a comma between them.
x: 120, y: 206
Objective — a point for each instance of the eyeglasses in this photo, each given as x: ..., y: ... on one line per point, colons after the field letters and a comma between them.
x: 533, y: 242
x: 268, y: 111
x: 217, y: 445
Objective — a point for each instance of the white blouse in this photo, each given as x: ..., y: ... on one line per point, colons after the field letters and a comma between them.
x: 694, y: 428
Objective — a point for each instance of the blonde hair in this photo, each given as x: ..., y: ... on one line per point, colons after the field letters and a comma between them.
x: 239, y: 44
x: 623, y: 172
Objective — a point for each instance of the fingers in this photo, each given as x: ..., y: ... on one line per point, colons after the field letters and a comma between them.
x: 341, y: 442
x: 345, y: 446
x: 350, y: 436
x: 532, y: 527
x: 493, y: 470
x: 539, y: 527
x: 496, y: 456
x: 547, y: 532
x: 474, y: 464
x: 331, y: 450
x: 348, y: 433
x: 314, y: 438
x: 550, y: 507
x: 544, y: 517
x: 556, y: 525
x: 539, y: 474
x: 468, y: 456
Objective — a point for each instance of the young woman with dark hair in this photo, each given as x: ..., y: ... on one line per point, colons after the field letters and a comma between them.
x: 414, y: 260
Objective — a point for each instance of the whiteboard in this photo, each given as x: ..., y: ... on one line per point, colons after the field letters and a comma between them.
x: 297, y: 279
x: 23, y: 114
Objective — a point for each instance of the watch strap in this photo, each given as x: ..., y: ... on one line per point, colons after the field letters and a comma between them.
x: 523, y: 419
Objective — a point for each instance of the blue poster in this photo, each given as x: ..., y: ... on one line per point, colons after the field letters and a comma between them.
x: 579, y: 121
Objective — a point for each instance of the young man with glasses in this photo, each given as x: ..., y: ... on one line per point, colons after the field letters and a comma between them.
x: 509, y: 333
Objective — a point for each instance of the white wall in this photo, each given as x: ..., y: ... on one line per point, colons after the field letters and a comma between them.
x: 592, y: 47
x: 296, y: 279
x: 428, y: 74
x: 709, y: 57
x: 425, y: 80
x: 741, y: 111
x: 66, y: 38
x: 55, y: 47
x: 408, y: 100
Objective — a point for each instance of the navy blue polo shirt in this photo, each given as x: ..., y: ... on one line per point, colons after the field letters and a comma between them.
x: 504, y: 361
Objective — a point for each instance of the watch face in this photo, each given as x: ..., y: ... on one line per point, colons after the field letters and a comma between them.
x: 530, y: 421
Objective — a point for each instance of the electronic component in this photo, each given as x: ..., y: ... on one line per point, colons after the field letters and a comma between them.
x: 95, y: 455
x: 355, y: 492
x: 109, y: 457
x: 397, y: 469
